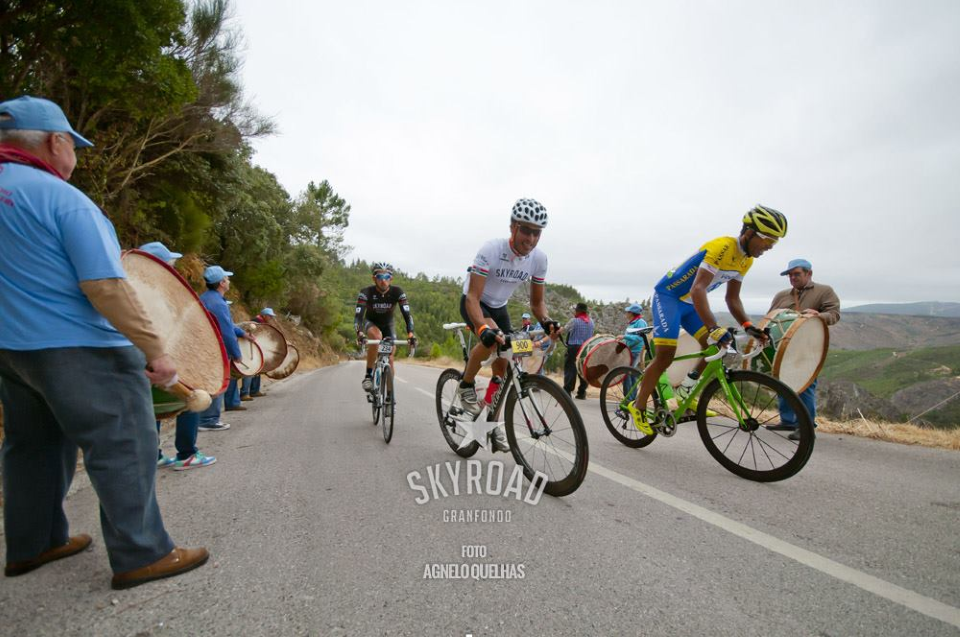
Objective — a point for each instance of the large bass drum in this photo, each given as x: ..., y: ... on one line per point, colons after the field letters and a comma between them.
x: 598, y: 355
x: 189, y: 332
x: 272, y: 344
x: 797, y: 349
x: 289, y: 364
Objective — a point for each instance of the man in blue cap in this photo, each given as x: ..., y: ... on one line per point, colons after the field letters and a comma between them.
x: 635, y: 321
x: 808, y: 299
x: 73, y: 349
x: 218, y: 283
x: 188, y: 456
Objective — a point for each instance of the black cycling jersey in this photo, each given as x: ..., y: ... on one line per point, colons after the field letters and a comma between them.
x: 378, y: 308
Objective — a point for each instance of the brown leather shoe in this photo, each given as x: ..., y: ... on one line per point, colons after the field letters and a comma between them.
x: 178, y: 561
x: 245, y: 398
x: 259, y: 394
x: 73, y: 546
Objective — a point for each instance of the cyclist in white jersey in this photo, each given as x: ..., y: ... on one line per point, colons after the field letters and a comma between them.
x: 499, y: 267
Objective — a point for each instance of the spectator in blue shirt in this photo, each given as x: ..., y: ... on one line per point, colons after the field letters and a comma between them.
x: 73, y: 349
x: 579, y: 329
x: 634, y: 320
x: 218, y: 283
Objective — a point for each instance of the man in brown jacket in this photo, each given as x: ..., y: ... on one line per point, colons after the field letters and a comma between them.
x: 809, y: 299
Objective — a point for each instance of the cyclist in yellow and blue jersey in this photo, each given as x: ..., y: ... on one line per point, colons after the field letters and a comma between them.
x: 680, y: 298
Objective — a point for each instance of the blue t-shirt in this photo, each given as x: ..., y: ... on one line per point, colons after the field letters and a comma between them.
x: 52, y: 237
x: 217, y: 305
x: 633, y: 341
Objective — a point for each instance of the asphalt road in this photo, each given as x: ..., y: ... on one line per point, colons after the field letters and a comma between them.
x: 314, y: 529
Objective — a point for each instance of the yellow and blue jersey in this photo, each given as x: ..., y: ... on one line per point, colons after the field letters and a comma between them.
x: 723, y: 257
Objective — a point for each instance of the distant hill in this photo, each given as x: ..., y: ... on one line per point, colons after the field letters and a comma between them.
x: 925, y: 308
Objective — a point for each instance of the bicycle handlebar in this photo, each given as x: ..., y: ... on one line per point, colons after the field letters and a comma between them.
x: 454, y: 326
x: 377, y: 341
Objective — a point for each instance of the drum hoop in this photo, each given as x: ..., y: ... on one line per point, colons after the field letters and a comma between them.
x: 242, y: 375
x: 273, y: 375
x: 225, y: 363
x: 785, y: 341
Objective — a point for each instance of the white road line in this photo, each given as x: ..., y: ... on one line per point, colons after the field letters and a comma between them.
x: 897, y: 594
x: 401, y: 380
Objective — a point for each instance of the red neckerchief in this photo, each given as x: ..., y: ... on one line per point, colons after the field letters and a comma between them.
x: 583, y: 317
x: 14, y: 155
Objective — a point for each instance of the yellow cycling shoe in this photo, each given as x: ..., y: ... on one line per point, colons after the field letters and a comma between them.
x: 639, y: 418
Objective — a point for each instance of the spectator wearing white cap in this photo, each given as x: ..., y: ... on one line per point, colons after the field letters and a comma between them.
x: 185, y: 440
x: 808, y: 299
x: 74, y: 350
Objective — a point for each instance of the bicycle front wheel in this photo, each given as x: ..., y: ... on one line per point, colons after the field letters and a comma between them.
x: 375, y: 398
x: 750, y: 450
x: 546, y: 435
x: 448, y: 405
x: 620, y: 387
x: 386, y: 403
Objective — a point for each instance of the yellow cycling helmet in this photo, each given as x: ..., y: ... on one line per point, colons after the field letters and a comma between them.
x: 767, y: 221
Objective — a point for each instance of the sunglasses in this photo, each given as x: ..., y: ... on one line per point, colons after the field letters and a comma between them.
x: 770, y: 240
x: 528, y: 231
x: 383, y: 276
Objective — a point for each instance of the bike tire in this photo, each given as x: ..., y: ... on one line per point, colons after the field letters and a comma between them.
x: 386, y: 403
x: 613, y: 391
x: 563, y: 453
x: 375, y: 398
x: 754, y: 453
x: 446, y: 397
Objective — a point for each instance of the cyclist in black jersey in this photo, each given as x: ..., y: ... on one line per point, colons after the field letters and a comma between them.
x: 374, y: 314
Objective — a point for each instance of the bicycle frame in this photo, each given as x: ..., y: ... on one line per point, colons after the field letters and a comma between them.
x: 513, y: 378
x: 714, y: 369
x: 383, y: 358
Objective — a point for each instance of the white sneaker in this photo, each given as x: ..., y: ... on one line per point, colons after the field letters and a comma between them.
x: 220, y: 426
x: 468, y: 400
x: 499, y: 440
x: 367, y: 384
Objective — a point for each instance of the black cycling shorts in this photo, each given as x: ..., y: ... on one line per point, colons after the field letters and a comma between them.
x: 499, y: 315
x: 385, y: 330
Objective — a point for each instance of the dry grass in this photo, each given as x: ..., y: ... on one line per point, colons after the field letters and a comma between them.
x: 894, y: 432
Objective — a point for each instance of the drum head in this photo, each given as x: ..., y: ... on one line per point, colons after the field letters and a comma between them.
x: 190, y: 335
x: 534, y: 364
x: 271, y: 342
x: 802, y: 352
x: 678, y: 370
x: 289, y: 364
x: 602, y: 357
x: 251, y: 359
x: 588, y: 345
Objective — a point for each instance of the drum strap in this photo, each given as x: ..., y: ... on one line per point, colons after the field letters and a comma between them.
x: 796, y: 299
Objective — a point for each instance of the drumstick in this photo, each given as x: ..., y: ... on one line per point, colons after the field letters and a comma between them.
x: 196, y: 399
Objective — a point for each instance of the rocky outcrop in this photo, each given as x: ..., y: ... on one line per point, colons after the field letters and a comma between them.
x: 841, y: 400
x: 922, y: 396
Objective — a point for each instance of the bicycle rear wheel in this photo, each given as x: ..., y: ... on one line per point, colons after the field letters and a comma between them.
x: 386, y: 402
x: 751, y: 450
x: 546, y: 434
x: 447, y: 401
x: 620, y: 387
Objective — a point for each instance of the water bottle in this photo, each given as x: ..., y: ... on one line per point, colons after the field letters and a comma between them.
x: 492, y: 389
x: 685, y: 387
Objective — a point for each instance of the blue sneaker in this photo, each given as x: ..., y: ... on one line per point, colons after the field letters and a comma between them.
x: 165, y: 461
x: 193, y: 462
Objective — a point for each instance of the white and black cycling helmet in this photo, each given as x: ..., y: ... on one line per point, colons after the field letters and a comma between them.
x: 529, y: 211
x: 381, y: 266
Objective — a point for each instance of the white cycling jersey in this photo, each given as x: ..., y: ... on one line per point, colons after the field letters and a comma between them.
x: 504, y: 271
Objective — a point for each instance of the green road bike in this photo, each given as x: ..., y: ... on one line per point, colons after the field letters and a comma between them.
x: 543, y: 425
x: 732, y: 408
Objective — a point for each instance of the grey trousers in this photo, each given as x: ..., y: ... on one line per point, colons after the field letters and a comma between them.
x: 97, y: 399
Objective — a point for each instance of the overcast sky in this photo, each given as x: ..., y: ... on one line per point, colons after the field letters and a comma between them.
x: 645, y: 128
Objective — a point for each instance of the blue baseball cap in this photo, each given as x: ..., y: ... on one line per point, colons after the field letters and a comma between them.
x: 160, y: 251
x: 635, y: 308
x: 215, y: 274
x: 36, y: 113
x: 525, y: 315
x: 797, y: 263
x: 267, y: 311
